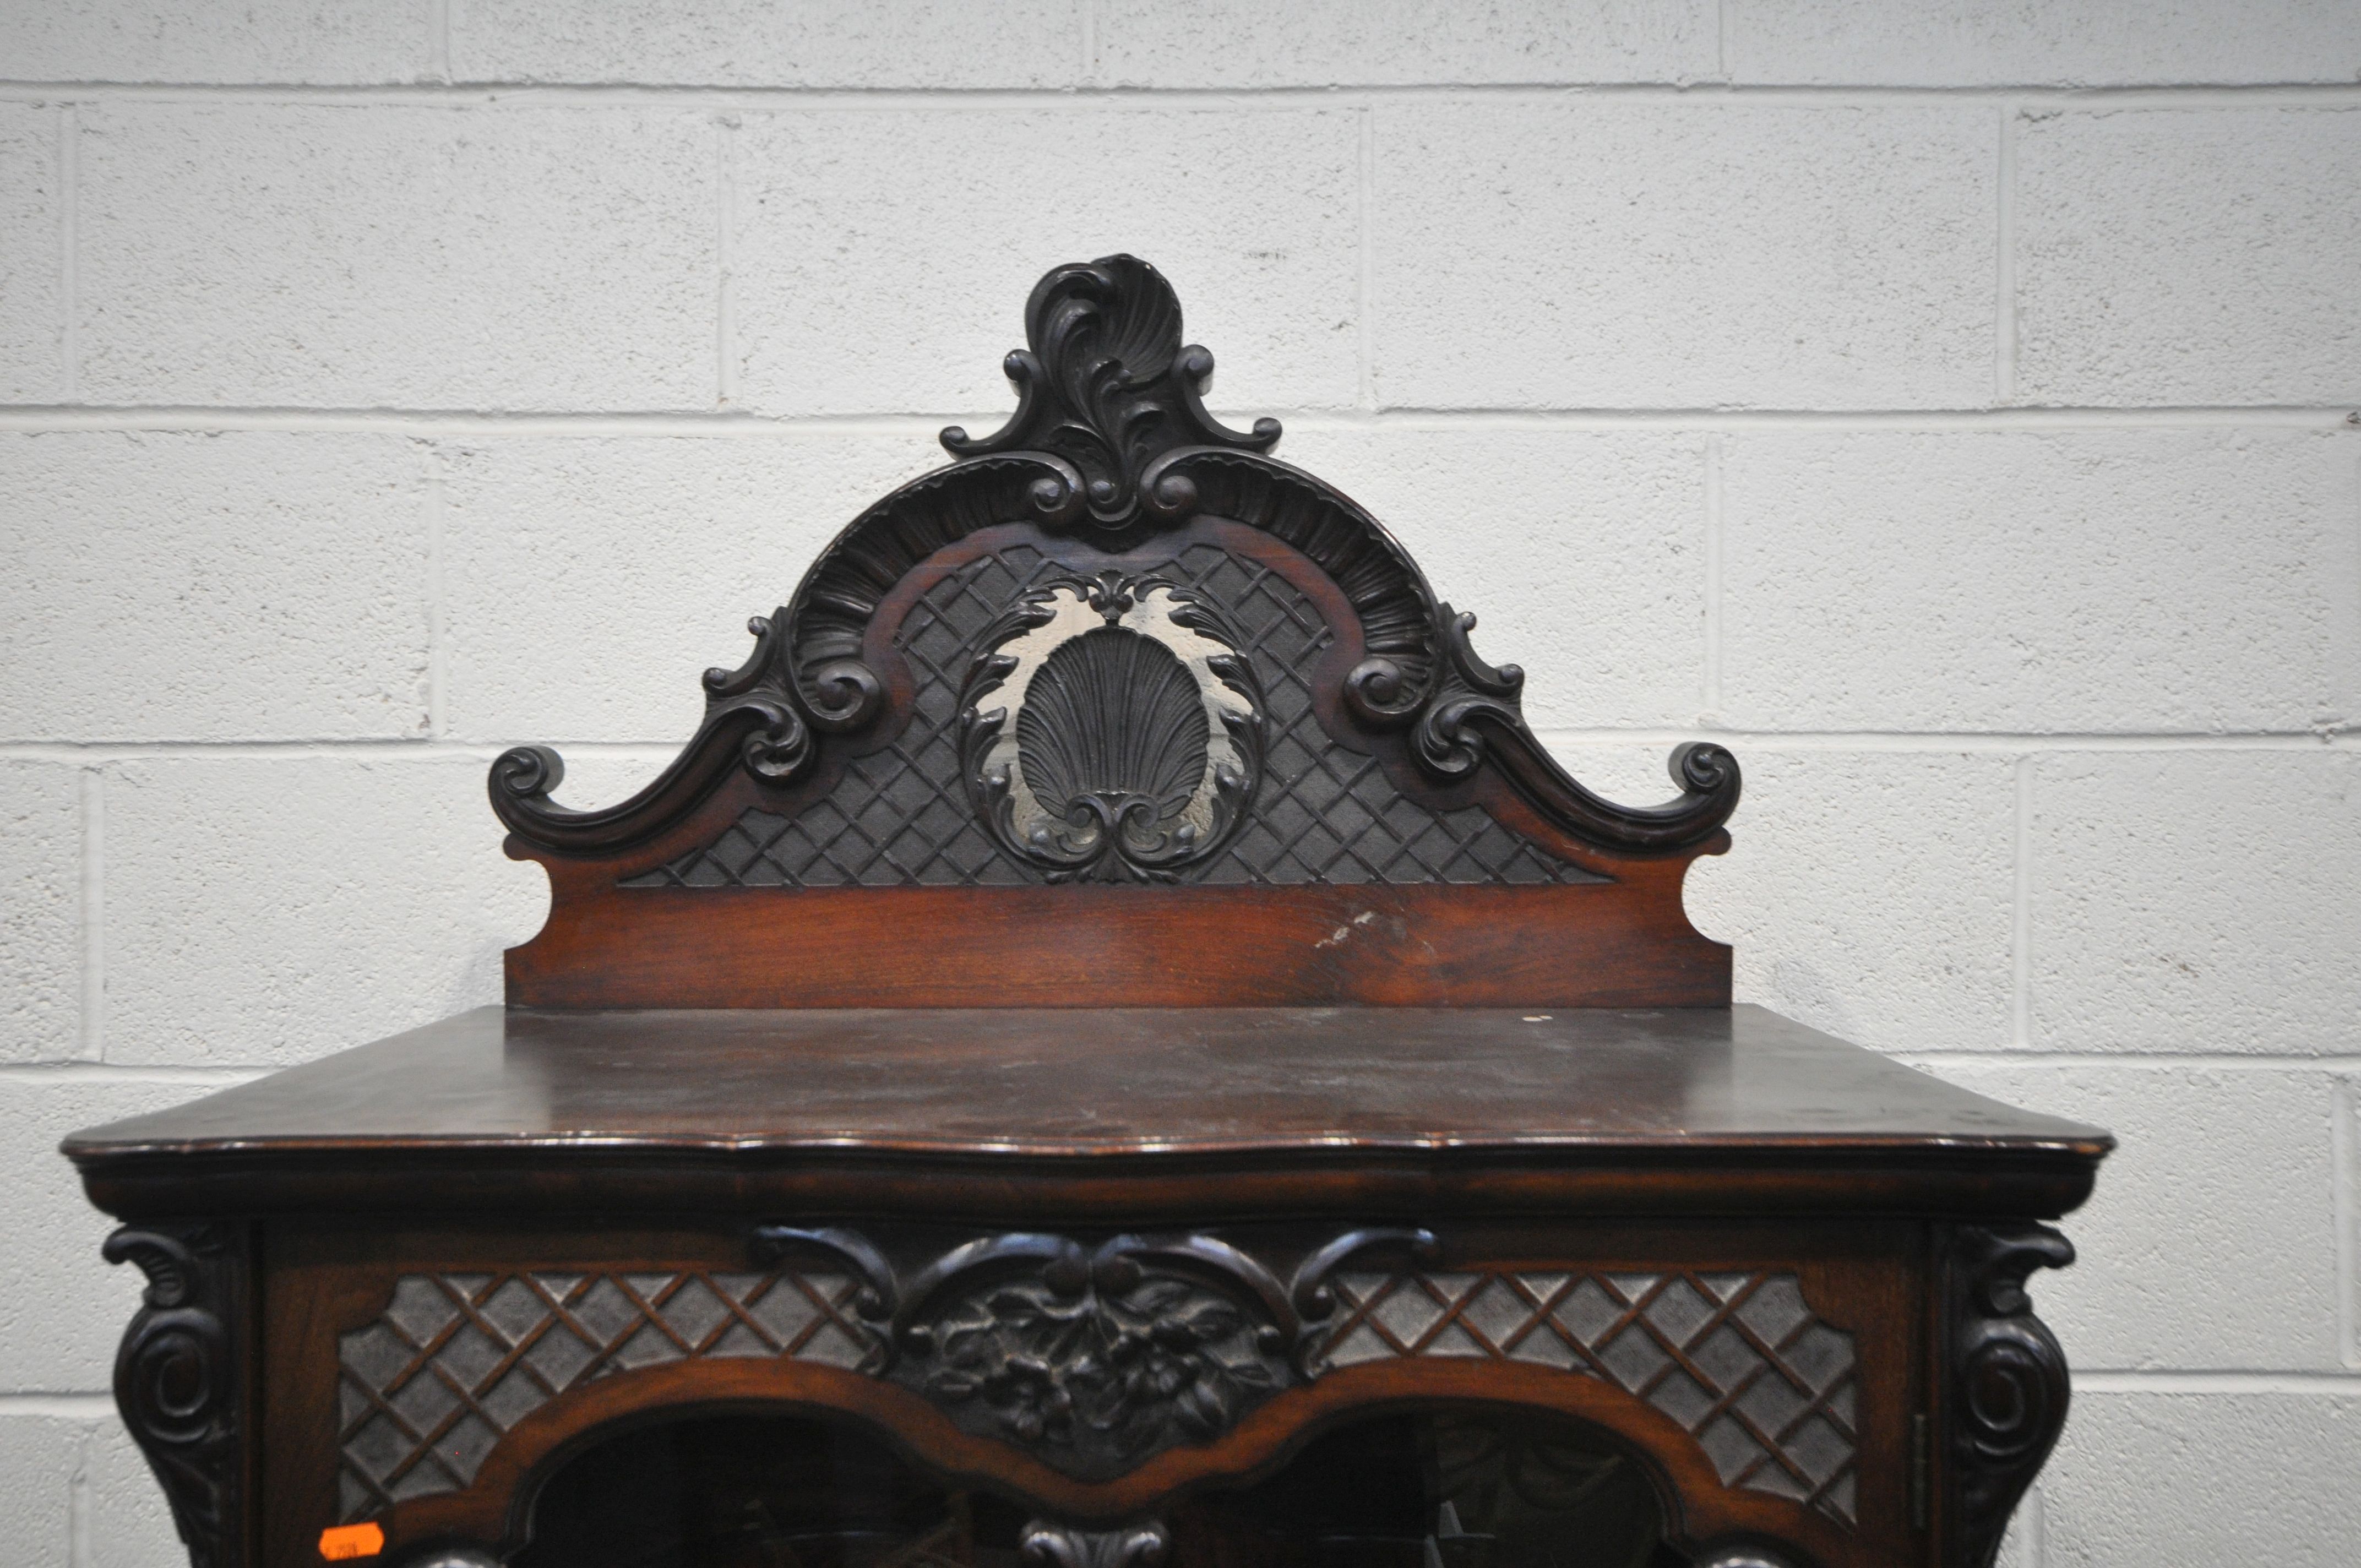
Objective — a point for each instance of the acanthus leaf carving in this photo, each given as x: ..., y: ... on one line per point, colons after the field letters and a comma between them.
x: 179, y: 1381
x: 1111, y: 437
x: 1107, y: 385
x: 2008, y: 1381
x: 1122, y: 747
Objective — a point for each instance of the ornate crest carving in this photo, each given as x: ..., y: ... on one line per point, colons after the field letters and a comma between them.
x: 1107, y: 385
x: 1111, y: 448
x: 1136, y: 732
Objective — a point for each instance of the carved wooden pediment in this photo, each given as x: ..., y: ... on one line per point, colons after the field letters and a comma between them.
x: 1113, y: 642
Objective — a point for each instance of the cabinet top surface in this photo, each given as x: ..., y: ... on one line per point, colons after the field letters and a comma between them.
x: 1024, y: 1083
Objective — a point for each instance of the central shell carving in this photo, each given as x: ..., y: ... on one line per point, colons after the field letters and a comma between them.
x: 1129, y: 739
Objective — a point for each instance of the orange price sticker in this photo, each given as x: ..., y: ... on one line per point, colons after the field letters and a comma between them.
x: 350, y: 1541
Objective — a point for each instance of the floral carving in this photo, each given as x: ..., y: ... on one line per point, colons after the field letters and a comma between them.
x: 1107, y: 1355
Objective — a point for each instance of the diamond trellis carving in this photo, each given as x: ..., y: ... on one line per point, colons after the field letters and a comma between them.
x: 1321, y: 814
x: 456, y: 1360
x: 1737, y: 1359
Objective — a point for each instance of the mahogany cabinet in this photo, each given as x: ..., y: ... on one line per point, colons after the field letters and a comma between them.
x: 1113, y: 1045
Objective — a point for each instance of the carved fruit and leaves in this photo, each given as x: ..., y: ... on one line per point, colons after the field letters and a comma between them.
x: 1107, y: 1354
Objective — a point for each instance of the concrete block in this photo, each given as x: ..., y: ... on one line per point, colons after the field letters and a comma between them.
x: 2210, y: 1243
x: 322, y: 41
x: 269, y: 910
x: 2093, y: 580
x: 1237, y: 43
x: 1250, y: 212
x: 1581, y: 551
x: 2188, y: 256
x: 1603, y: 252
x: 38, y: 1458
x: 2205, y: 1478
x: 40, y: 911
x: 591, y: 581
x: 66, y: 1306
x: 398, y: 255
x: 2196, y: 901
x: 1868, y: 893
x: 761, y: 43
x: 32, y: 301
x: 130, y: 1525
x: 249, y: 586
x: 1974, y: 43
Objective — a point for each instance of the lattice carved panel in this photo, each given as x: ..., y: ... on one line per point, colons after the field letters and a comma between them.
x: 1323, y: 814
x: 456, y: 1360
x: 1737, y: 1359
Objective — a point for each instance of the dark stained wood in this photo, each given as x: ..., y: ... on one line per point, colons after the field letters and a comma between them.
x: 865, y: 1069
x: 330, y: 1279
x: 1169, y: 1107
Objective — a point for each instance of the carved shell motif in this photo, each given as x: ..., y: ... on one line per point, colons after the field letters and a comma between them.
x: 1131, y: 739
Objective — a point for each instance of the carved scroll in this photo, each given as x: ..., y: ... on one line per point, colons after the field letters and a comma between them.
x: 180, y: 1379
x: 1110, y: 446
x: 2008, y: 1385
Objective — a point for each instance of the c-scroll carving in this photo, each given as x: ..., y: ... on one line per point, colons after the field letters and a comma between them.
x: 1110, y: 439
x: 180, y: 1380
x: 753, y: 717
x: 1474, y: 715
x: 2008, y: 1381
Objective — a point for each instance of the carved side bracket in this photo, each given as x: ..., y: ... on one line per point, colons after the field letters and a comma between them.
x: 2008, y: 1384
x: 180, y: 1380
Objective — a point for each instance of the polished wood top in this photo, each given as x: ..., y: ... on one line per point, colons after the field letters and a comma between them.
x: 1077, y: 1094
x: 1077, y: 1081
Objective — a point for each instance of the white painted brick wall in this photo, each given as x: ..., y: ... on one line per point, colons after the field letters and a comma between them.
x: 1946, y: 404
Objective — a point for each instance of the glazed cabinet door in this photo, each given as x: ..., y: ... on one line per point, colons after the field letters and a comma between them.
x: 764, y: 1392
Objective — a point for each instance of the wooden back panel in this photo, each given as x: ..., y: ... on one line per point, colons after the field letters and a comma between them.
x: 1115, y: 710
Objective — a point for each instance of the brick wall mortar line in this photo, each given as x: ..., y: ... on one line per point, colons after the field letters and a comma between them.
x: 725, y: 285
x: 438, y: 669
x: 91, y: 753
x: 60, y: 1407
x: 2345, y: 1204
x: 2021, y: 907
x: 438, y: 39
x: 1364, y: 304
x: 47, y: 417
x: 521, y: 96
x: 78, y: 1520
x: 2203, y: 1061
x: 112, y: 1072
x: 2004, y: 262
x: 2340, y: 1385
x: 68, y: 249
x: 1710, y: 683
x: 91, y: 1043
